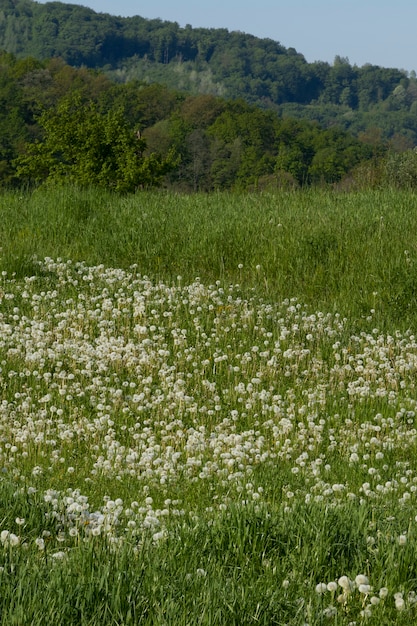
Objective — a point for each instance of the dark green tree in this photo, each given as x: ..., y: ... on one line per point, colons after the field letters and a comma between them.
x: 245, y: 136
x: 81, y: 145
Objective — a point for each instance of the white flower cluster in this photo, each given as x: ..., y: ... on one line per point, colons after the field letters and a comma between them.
x: 9, y: 539
x: 116, y: 389
x: 359, y: 589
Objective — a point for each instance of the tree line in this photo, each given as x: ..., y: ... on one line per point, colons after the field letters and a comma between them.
x: 364, y: 100
x: 62, y: 124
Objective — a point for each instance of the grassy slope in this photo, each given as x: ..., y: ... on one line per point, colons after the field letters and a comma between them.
x: 228, y: 565
x: 345, y: 252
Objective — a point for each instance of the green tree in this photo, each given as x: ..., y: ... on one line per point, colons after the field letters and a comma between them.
x: 13, y: 114
x: 245, y: 136
x: 292, y: 159
x: 81, y: 145
x: 295, y: 141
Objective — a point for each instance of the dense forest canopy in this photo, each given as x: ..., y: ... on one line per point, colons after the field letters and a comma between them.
x: 232, y: 65
x: 190, y: 109
x: 63, y: 124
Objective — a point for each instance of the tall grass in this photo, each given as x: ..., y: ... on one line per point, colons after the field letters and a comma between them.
x: 346, y: 252
x: 222, y: 428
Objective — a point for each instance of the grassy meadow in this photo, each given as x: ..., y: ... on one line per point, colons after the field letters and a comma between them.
x: 208, y: 408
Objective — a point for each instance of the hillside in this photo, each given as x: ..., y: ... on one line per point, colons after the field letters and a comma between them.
x: 60, y: 125
x: 217, y: 62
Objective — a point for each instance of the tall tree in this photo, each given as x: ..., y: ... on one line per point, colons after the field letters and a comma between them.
x: 81, y: 145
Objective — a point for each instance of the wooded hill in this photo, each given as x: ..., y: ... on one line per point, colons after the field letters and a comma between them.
x: 68, y: 115
x: 376, y: 102
x: 61, y: 124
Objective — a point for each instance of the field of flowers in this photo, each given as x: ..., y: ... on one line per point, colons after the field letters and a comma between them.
x: 178, y: 451
x: 136, y: 413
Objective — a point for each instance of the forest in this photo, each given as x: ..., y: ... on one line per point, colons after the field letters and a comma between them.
x: 368, y: 99
x: 60, y: 124
x: 132, y: 103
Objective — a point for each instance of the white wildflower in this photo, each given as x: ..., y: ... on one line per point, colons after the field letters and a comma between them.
x: 40, y: 543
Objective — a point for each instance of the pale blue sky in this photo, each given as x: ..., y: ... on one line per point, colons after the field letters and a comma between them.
x: 382, y: 32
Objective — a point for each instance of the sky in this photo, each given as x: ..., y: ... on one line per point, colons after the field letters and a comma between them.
x: 381, y: 32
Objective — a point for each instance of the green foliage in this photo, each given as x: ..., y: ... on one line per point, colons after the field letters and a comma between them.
x: 86, y: 147
x: 62, y: 124
x: 217, y: 62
